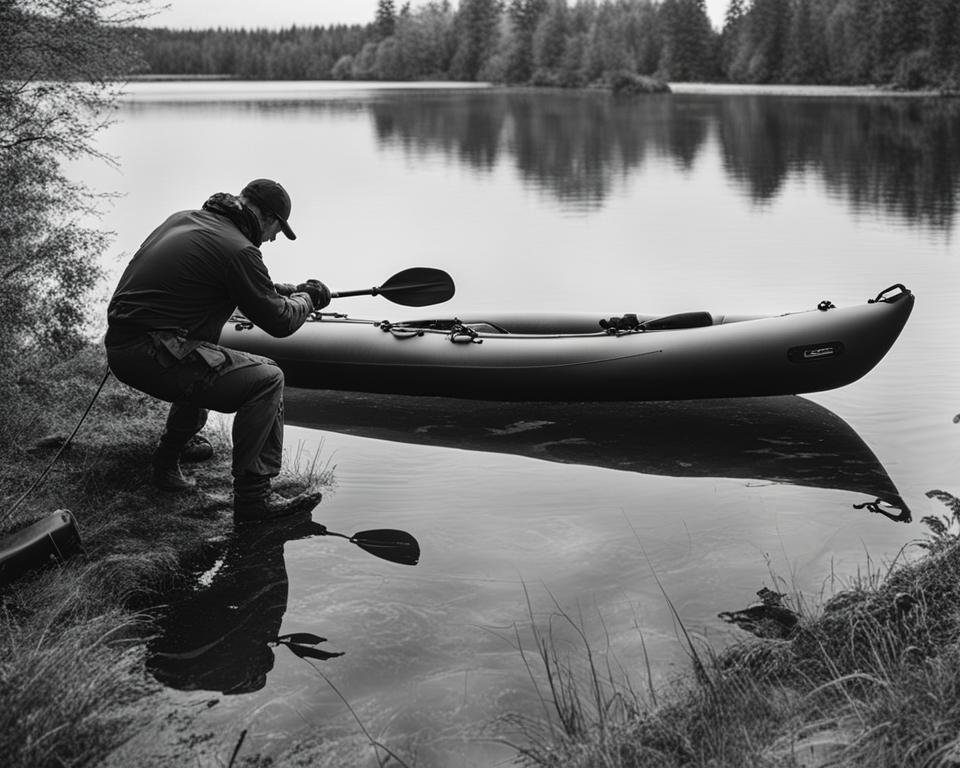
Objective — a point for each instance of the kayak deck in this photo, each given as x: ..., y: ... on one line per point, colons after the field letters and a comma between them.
x: 580, y: 357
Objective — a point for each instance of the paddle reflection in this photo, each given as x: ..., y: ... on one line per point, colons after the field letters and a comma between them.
x: 774, y: 439
x: 220, y: 635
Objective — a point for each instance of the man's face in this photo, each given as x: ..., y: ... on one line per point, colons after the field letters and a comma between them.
x: 271, y: 230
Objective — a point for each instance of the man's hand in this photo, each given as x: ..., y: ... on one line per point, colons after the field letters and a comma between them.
x: 285, y: 289
x: 318, y: 292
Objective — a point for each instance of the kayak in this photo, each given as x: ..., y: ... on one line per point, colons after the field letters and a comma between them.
x: 587, y: 357
x: 782, y: 440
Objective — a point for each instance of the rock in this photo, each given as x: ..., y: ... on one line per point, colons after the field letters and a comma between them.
x: 769, y: 618
x: 627, y: 83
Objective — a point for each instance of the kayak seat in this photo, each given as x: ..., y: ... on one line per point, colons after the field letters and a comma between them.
x: 632, y: 323
x: 678, y: 321
x: 480, y: 326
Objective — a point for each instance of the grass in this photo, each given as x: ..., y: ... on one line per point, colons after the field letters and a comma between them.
x: 73, y: 685
x: 871, y: 678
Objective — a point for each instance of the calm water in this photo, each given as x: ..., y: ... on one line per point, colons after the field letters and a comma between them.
x: 722, y: 200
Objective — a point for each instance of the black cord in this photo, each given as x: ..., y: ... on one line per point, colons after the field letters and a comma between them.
x: 56, y: 456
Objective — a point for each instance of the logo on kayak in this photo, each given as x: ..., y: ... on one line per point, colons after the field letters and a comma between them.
x: 812, y: 352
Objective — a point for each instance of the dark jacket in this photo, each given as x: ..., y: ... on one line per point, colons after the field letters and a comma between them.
x: 190, y: 275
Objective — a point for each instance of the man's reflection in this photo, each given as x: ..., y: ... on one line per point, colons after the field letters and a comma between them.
x: 219, y: 636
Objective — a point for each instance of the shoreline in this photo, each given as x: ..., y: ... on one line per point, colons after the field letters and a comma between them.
x: 86, y: 624
x: 675, y: 88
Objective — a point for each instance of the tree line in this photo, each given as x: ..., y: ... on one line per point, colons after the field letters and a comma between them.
x: 906, y: 43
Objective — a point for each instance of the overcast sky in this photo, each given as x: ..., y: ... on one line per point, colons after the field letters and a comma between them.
x: 284, y: 13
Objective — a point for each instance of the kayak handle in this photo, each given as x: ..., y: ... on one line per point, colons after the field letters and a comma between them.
x: 883, y: 297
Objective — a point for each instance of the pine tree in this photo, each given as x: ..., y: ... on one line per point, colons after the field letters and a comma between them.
x: 768, y: 24
x: 731, y: 36
x: 806, y: 57
x: 550, y: 37
x: 942, y: 23
x: 687, y: 40
x: 524, y: 16
x: 897, y: 33
x: 862, y: 54
x: 477, y: 25
x: 386, y: 19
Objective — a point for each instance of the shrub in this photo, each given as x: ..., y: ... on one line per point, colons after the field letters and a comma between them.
x: 630, y: 83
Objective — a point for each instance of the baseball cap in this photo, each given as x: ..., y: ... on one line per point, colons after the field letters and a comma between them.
x: 272, y: 199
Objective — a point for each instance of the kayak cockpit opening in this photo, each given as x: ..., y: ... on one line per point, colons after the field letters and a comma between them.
x: 631, y: 322
x: 447, y: 325
x: 570, y: 324
x: 557, y: 324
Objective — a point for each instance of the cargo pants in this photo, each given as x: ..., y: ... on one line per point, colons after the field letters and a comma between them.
x: 198, y: 376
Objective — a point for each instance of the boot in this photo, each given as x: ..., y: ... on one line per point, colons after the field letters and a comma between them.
x: 254, y: 503
x: 166, y: 472
x: 197, y: 449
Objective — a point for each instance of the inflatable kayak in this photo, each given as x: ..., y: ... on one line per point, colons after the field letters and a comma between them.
x: 582, y: 357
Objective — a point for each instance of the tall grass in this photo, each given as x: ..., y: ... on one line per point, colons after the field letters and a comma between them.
x: 308, y: 467
x: 67, y: 686
x: 73, y: 687
x: 872, y: 678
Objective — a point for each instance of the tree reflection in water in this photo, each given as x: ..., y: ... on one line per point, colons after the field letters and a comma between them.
x: 893, y: 155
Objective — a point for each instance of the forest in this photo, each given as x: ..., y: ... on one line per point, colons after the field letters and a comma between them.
x: 906, y: 44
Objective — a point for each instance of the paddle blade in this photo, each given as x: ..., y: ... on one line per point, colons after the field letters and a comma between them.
x: 306, y: 652
x: 395, y: 546
x: 302, y: 638
x: 418, y: 287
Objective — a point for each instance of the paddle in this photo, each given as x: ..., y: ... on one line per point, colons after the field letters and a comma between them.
x: 300, y: 642
x: 386, y: 543
x: 414, y: 287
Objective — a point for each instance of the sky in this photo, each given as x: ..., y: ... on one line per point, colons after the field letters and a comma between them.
x: 204, y: 14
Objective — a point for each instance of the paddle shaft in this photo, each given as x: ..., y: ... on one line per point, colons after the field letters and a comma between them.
x: 361, y: 292
x: 384, y: 290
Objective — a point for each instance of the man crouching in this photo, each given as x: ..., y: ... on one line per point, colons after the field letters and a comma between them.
x: 164, y: 321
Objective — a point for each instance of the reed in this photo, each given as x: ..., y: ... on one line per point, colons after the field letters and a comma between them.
x: 870, y: 677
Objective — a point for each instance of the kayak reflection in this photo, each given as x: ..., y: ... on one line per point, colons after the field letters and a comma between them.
x: 220, y: 635
x: 787, y: 439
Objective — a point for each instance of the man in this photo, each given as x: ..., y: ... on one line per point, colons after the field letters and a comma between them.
x: 164, y: 321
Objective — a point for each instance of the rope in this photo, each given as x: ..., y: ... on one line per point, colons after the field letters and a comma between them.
x: 40, y: 479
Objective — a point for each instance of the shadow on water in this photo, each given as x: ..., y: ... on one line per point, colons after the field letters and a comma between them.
x: 220, y: 634
x: 788, y: 440
x: 895, y: 156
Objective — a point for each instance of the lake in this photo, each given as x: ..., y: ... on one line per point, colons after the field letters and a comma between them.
x: 725, y: 199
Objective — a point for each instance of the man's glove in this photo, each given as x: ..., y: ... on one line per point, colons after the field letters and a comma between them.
x: 318, y: 292
x: 285, y: 289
